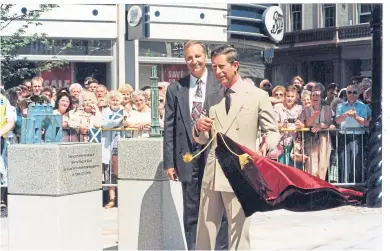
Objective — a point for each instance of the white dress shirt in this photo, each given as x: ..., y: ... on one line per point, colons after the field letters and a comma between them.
x: 193, y: 87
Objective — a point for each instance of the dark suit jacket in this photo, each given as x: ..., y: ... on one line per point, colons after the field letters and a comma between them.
x: 178, y: 128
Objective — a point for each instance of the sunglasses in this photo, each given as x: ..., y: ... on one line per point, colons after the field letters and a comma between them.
x: 279, y: 94
x: 267, y: 85
x: 352, y: 92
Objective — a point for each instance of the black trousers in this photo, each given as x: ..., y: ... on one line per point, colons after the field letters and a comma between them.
x: 350, y: 153
x: 191, y: 201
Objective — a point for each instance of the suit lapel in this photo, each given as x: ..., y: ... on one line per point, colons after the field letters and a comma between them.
x: 183, y: 100
x: 238, y: 100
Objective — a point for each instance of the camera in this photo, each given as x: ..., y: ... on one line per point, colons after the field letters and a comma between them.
x: 291, y: 120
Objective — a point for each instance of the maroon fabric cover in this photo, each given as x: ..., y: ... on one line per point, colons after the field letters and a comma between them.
x: 265, y: 184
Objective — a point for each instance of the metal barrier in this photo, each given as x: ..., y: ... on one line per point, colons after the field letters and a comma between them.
x: 338, y: 154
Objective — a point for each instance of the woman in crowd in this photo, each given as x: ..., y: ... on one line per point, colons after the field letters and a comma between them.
x: 126, y: 90
x: 305, y: 98
x: 289, y: 115
x: 89, y: 115
x: 141, y: 117
x: 278, y: 94
x: 102, y: 103
x: 63, y: 106
x: 318, y: 143
x: 112, y: 117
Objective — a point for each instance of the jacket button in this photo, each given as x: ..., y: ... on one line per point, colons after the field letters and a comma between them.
x: 178, y: 118
x: 179, y: 133
x: 237, y: 129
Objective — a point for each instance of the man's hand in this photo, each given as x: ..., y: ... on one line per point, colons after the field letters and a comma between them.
x: 262, y: 150
x: 171, y: 173
x: 204, y: 124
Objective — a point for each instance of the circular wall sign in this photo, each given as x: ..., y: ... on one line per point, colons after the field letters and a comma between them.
x: 134, y: 15
x: 274, y: 23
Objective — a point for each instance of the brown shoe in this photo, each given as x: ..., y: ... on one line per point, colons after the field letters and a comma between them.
x: 110, y: 204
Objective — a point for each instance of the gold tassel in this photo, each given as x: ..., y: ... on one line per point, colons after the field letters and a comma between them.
x: 244, y: 159
x: 188, y: 157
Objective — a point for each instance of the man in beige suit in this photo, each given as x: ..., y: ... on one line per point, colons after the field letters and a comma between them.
x: 237, y: 110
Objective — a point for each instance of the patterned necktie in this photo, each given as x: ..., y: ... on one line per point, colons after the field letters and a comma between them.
x: 197, y: 104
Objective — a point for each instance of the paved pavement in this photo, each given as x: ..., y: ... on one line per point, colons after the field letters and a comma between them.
x: 344, y: 228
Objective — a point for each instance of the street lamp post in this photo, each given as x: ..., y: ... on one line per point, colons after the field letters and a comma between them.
x: 374, y: 181
x: 155, y: 123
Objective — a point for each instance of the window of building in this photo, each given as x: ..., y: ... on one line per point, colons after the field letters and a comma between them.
x: 329, y: 15
x: 296, y: 16
x: 364, y: 13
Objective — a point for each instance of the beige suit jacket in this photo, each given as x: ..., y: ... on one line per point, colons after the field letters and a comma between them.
x: 250, y: 110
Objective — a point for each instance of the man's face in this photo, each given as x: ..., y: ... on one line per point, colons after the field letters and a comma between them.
x: 37, y: 87
x: 224, y: 71
x: 100, y: 92
x: 297, y: 83
x: 47, y: 95
x: 332, y: 93
x: 195, y: 59
x: 92, y: 87
x: 352, y: 93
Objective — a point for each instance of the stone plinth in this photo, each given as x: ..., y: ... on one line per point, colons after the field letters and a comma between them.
x: 150, y: 206
x: 55, y: 198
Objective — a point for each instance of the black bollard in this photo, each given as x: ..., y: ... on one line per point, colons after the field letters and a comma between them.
x: 374, y: 174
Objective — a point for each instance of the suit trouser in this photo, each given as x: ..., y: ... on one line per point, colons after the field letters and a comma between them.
x: 191, y: 201
x: 212, y: 203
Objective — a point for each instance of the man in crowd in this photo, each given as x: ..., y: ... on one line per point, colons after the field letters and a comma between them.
x: 331, y: 93
x: 351, y: 114
x: 37, y: 85
x: 237, y: 110
x: 183, y: 107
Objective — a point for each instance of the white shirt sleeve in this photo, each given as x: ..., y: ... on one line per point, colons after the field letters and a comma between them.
x: 10, y: 112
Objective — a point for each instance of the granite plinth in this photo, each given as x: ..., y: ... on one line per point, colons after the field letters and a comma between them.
x: 73, y: 222
x: 54, y: 169
x: 150, y: 214
x: 141, y: 159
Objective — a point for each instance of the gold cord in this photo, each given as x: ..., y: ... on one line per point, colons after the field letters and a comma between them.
x: 243, y: 158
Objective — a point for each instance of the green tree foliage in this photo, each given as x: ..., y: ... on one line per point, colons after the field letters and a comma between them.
x: 13, y: 66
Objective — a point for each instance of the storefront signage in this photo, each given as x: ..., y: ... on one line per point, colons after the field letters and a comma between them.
x: 274, y: 23
x: 57, y: 77
x: 174, y: 72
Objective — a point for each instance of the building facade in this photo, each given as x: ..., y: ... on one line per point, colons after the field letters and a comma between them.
x: 325, y: 43
x: 159, y: 38
x: 93, y: 30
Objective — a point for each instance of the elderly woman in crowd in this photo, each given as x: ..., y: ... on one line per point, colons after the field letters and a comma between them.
x: 305, y: 98
x: 278, y: 94
x: 89, y: 115
x: 141, y: 117
x: 289, y: 115
x: 318, y: 144
x: 75, y: 90
x: 63, y: 106
x: 126, y: 90
x: 112, y: 117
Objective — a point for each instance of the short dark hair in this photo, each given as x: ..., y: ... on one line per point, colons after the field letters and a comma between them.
x: 59, y: 96
x: 228, y: 50
x: 333, y: 86
x: 49, y: 90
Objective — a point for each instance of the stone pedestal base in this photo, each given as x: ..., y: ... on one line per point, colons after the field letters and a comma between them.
x: 150, y: 206
x: 71, y: 222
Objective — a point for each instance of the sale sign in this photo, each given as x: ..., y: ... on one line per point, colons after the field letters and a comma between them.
x: 57, y: 77
x: 174, y: 72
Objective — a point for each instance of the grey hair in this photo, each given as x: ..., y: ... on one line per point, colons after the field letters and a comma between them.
x: 137, y: 93
x: 75, y: 85
x: 228, y: 50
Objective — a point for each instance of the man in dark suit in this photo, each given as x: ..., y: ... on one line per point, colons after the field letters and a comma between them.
x: 183, y: 107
